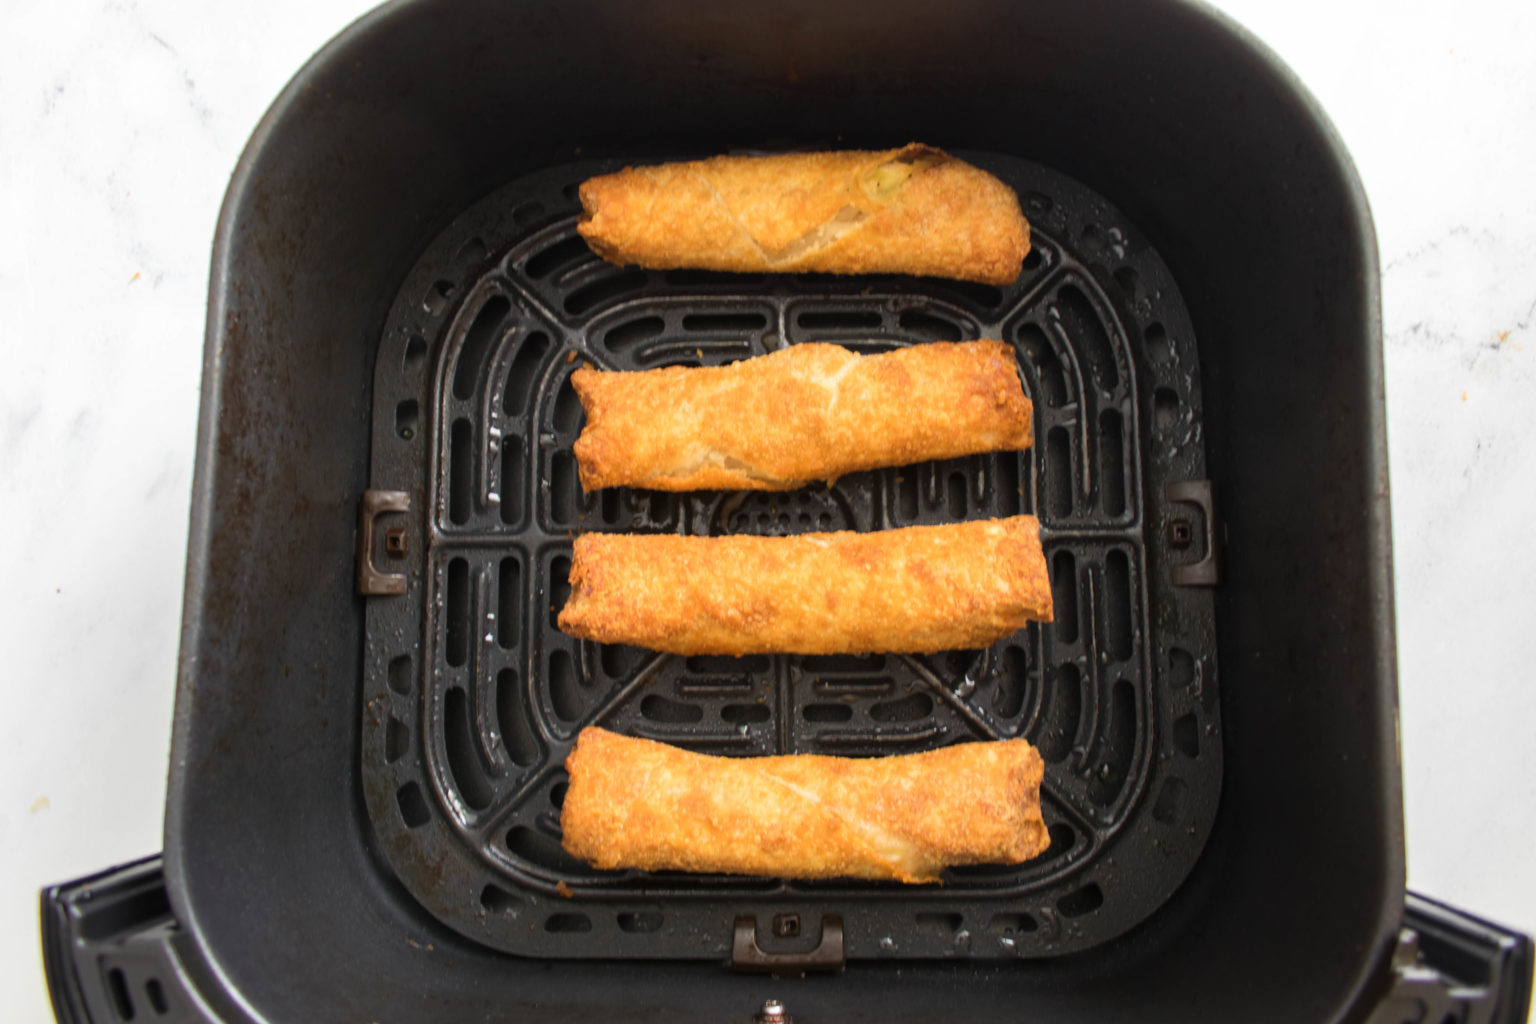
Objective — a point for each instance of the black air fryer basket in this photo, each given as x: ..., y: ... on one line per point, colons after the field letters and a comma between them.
x: 374, y: 705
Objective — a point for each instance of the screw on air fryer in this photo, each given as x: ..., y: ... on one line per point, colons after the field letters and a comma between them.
x: 773, y: 1012
x: 396, y: 543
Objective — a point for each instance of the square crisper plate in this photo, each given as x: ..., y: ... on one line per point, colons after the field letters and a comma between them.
x: 472, y: 698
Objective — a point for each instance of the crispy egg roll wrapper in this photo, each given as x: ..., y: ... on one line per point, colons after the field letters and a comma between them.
x: 917, y: 589
x: 635, y: 803
x: 804, y: 413
x: 914, y: 210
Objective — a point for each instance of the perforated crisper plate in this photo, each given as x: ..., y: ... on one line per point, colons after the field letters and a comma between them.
x: 472, y: 698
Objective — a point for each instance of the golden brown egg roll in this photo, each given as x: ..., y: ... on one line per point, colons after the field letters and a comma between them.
x: 808, y: 412
x: 918, y: 589
x: 635, y: 803
x: 914, y: 210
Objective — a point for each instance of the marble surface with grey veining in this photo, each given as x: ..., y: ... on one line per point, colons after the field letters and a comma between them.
x: 120, y: 122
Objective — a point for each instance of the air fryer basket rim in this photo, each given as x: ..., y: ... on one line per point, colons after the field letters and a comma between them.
x: 198, y: 675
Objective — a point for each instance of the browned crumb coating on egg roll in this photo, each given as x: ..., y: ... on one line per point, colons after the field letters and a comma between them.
x: 914, y: 210
x: 917, y: 589
x: 808, y: 412
x: 635, y: 803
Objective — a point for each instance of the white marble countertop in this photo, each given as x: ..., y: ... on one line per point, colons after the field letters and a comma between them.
x: 120, y: 122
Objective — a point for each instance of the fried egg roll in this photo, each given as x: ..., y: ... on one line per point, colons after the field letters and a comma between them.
x: 635, y: 803
x: 914, y: 210
x: 918, y: 589
x: 804, y: 413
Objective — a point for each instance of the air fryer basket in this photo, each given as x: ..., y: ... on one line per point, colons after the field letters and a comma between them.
x: 465, y: 728
x: 288, y: 908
